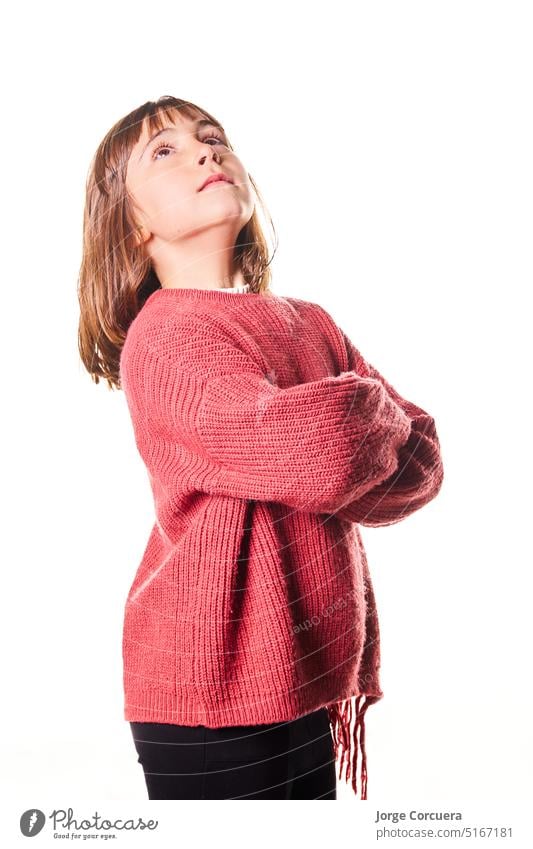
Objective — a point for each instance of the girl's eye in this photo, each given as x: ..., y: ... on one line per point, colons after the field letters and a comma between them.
x: 166, y: 146
x: 217, y: 138
x: 159, y: 147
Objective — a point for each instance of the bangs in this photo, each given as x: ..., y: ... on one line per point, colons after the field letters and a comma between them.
x: 164, y: 115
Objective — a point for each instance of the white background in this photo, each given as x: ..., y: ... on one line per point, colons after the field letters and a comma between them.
x: 392, y: 142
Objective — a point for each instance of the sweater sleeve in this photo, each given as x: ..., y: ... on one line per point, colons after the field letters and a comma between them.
x: 419, y: 474
x: 313, y: 446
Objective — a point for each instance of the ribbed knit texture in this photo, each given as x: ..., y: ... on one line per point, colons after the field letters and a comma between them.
x: 268, y: 439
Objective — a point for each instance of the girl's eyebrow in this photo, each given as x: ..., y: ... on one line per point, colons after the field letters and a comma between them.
x: 201, y: 122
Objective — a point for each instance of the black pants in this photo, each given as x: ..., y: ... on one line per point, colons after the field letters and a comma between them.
x: 282, y: 760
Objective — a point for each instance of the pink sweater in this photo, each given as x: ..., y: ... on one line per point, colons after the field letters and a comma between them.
x: 268, y: 440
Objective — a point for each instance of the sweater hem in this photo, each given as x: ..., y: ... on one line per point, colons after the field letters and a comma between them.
x: 183, y: 709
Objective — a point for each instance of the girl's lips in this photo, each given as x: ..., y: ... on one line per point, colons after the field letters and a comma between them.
x: 216, y: 183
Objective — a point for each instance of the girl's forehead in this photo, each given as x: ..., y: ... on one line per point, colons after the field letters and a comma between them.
x: 176, y: 121
x: 171, y: 118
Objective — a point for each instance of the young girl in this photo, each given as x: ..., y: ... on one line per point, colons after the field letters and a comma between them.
x: 251, y: 640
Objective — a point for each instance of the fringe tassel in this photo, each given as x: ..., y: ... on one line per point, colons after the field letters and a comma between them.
x: 345, y: 742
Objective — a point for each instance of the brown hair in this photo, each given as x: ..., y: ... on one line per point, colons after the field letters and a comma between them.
x: 116, y: 274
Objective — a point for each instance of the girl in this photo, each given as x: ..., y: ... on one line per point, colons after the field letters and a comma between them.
x: 250, y: 634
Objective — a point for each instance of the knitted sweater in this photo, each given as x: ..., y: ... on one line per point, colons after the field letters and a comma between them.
x: 268, y: 439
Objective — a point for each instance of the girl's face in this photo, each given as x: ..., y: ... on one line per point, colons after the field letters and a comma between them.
x: 164, y: 179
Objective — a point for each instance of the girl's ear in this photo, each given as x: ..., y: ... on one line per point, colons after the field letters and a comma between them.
x: 141, y: 235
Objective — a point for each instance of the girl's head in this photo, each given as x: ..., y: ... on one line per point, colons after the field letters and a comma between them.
x: 148, y: 225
